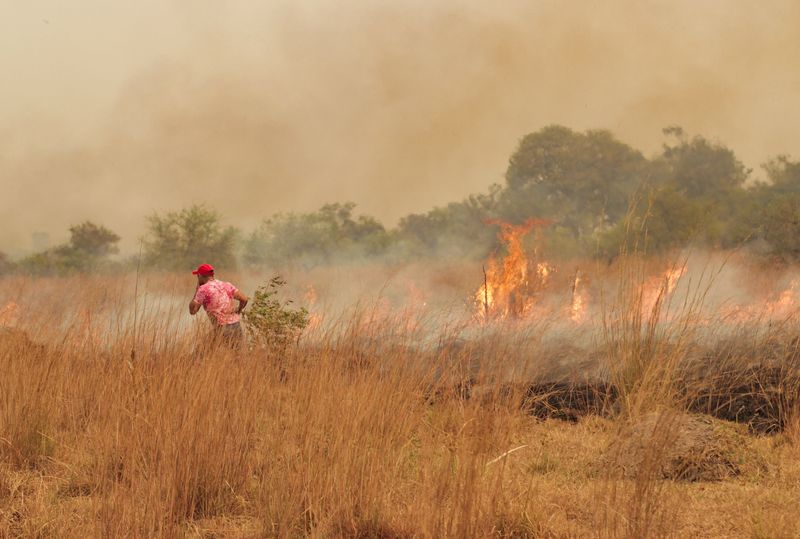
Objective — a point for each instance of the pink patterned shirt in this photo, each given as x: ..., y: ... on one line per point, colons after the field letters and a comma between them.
x: 216, y: 297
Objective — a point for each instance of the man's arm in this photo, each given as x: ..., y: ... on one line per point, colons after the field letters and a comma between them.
x: 242, y: 300
x: 194, y: 305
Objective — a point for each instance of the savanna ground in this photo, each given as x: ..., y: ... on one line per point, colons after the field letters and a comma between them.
x: 400, y: 412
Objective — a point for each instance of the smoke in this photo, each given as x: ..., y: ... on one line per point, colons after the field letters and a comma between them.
x: 114, y: 112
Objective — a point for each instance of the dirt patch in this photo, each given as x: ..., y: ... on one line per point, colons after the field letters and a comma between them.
x: 680, y: 446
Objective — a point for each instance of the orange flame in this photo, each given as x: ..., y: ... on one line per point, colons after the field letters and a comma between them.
x: 580, y: 300
x: 659, y: 288
x: 784, y: 306
x: 510, y: 287
x: 785, y: 303
x: 310, y: 299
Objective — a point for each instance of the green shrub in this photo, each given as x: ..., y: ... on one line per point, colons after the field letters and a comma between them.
x: 270, y: 322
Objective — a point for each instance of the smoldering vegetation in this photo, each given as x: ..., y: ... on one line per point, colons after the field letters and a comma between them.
x: 565, y: 343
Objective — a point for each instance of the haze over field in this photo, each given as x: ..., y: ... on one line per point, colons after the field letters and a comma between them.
x: 111, y: 112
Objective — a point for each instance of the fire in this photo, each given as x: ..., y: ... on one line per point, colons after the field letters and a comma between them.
x: 310, y: 299
x: 784, y: 306
x: 514, y: 286
x: 785, y: 303
x: 510, y: 286
x: 580, y: 300
x: 543, y: 270
x: 659, y: 288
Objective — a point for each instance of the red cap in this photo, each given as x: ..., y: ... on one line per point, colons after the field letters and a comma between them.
x: 204, y: 269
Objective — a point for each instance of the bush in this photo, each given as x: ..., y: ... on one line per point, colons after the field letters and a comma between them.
x: 270, y: 322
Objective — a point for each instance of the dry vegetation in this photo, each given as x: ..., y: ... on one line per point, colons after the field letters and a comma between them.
x: 377, y: 424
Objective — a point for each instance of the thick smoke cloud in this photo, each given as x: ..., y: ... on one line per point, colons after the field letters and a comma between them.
x: 112, y: 112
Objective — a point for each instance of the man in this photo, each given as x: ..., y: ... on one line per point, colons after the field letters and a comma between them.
x: 216, y: 297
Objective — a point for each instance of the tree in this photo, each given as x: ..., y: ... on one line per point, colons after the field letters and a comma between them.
x: 184, y: 239
x: 778, y: 208
x: 781, y: 226
x: 665, y: 219
x: 88, y: 249
x: 582, y: 181
x: 783, y: 175
x: 697, y: 194
x: 700, y: 169
x: 92, y: 240
x: 710, y: 175
x: 456, y: 230
x: 328, y: 234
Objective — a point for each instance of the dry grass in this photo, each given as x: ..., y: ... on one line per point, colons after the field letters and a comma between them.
x: 364, y: 429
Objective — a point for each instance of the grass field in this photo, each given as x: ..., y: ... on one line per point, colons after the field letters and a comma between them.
x: 407, y: 409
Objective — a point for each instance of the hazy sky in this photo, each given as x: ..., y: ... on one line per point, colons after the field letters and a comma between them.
x: 112, y: 110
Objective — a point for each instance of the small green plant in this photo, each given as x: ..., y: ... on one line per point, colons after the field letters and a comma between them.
x: 270, y: 322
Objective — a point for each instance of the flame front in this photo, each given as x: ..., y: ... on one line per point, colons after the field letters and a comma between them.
x: 657, y: 289
x: 514, y: 288
x: 310, y: 299
x: 510, y: 287
x: 782, y: 307
x: 785, y: 305
x: 580, y: 300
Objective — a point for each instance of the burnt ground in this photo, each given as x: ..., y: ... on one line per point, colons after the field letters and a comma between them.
x: 757, y: 386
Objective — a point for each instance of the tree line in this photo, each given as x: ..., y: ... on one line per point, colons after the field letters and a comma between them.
x: 600, y: 196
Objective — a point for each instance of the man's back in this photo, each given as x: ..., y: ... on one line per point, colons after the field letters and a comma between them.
x: 217, y: 298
